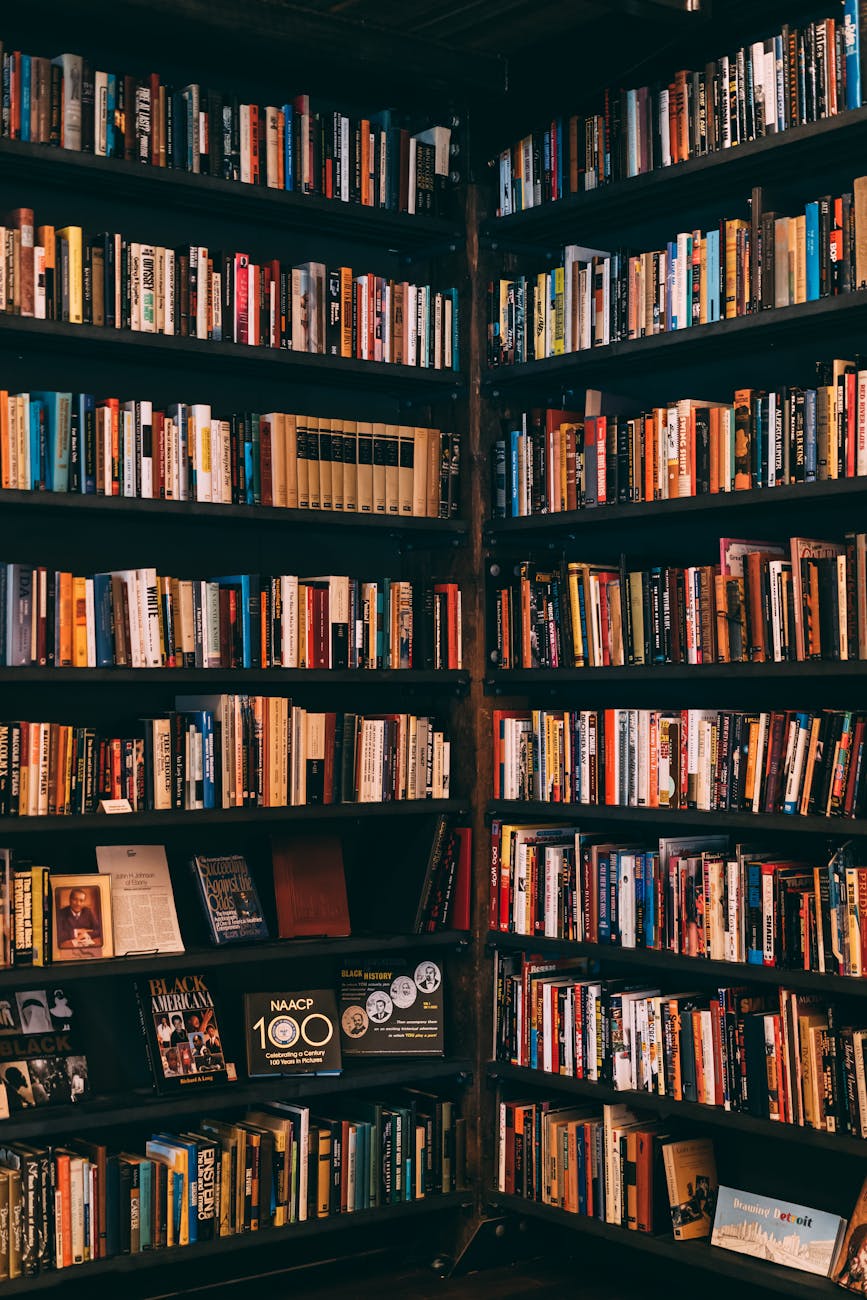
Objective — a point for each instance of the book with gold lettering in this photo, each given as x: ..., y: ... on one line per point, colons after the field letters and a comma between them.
x: 180, y: 1026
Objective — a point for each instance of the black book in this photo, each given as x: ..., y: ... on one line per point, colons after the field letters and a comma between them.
x: 182, y: 1033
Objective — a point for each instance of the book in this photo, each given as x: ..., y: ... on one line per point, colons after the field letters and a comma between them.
x: 182, y: 1033
x: 790, y: 1235
x: 229, y: 898
x: 392, y: 1009
x: 216, y: 296
x: 43, y: 1058
x: 690, y: 1174
x: 309, y: 886
x: 292, y: 1033
x: 682, y: 115
x: 143, y: 914
x: 850, y: 1266
x: 700, y: 277
x: 81, y: 917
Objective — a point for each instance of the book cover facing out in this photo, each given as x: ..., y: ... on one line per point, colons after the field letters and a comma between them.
x: 184, y: 1040
x: 791, y: 1235
x: 292, y: 1033
x: 392, y: 1009
x: 229, y: 898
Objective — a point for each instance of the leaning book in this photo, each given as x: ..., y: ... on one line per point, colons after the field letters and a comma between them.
x: 229, y: 898
x: 850, y: 1270
x: 793, y: 1236
x: 292, y: 1033
x: 183, y: 1035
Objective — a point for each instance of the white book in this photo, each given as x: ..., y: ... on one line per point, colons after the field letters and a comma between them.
x: 144, y: 918
x: 90, y: 615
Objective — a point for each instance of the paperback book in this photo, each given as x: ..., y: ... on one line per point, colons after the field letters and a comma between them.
x: 392, y: 1010
x: 787, y: 1234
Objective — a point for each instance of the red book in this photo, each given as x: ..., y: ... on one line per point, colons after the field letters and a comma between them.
x: 309, y: 886
x: 461, y: 908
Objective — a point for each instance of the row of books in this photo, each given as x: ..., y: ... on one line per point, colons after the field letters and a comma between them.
x: 281, y: 1164
x: 777, y: 1054
x: 797, y: 75
x: 609, y: 1166
x: 75, y: 442
x: 137, y: 618
x: 226, y: 751
x: 698, y: 896
x: 372, y: 159
x: 716, y: 760
x: 762, y: 603
x: 742, y: 267
x: 104, y: 279
x: 132, y: 900
x: 550, y: 461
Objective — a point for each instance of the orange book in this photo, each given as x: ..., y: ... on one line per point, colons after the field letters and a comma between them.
x: 366, y: 196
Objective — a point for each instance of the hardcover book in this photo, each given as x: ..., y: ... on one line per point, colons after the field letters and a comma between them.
x: 229, y: 898
x: 291, y: 1033
x: 310, y: 886
x: 184, y: 1042
x: 42, y: 1060
x: 690, y: 1174
x: 791, y: 1235
x: 393, y: 1009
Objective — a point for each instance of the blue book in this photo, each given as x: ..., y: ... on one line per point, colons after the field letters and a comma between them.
x: 456, y: 358
x: 811, y: 212
x: 110, y: 106
x: 780, y: 108
x: 670, y: 263
x: 852, y: 53
x: 790, y: 1235
x: 58, y: 413
x: 755, y: 955
x: 546, y: 152
x: 649, y: 901
x: 289, y: 147
x: 102, y: 617
x: 37, y: 426
x: 192, y: 1151
x: 25, y: 96
x: 713, y: 295
x: 811, y: 442
x: 229, y: 899
x: 514, y: 460
x: 581, y: 1161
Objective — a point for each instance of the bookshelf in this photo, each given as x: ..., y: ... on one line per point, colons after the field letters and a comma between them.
x: 191, y: 537
x: 770, y: 348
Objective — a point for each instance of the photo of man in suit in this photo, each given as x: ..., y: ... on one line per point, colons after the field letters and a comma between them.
x: 78, y: 926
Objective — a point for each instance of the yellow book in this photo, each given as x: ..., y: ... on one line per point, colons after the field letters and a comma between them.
x: 79, y: 622
x: 73, y: 237
x: 290, y: 459
x: 559, y: 330
x: 323, y: 1172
